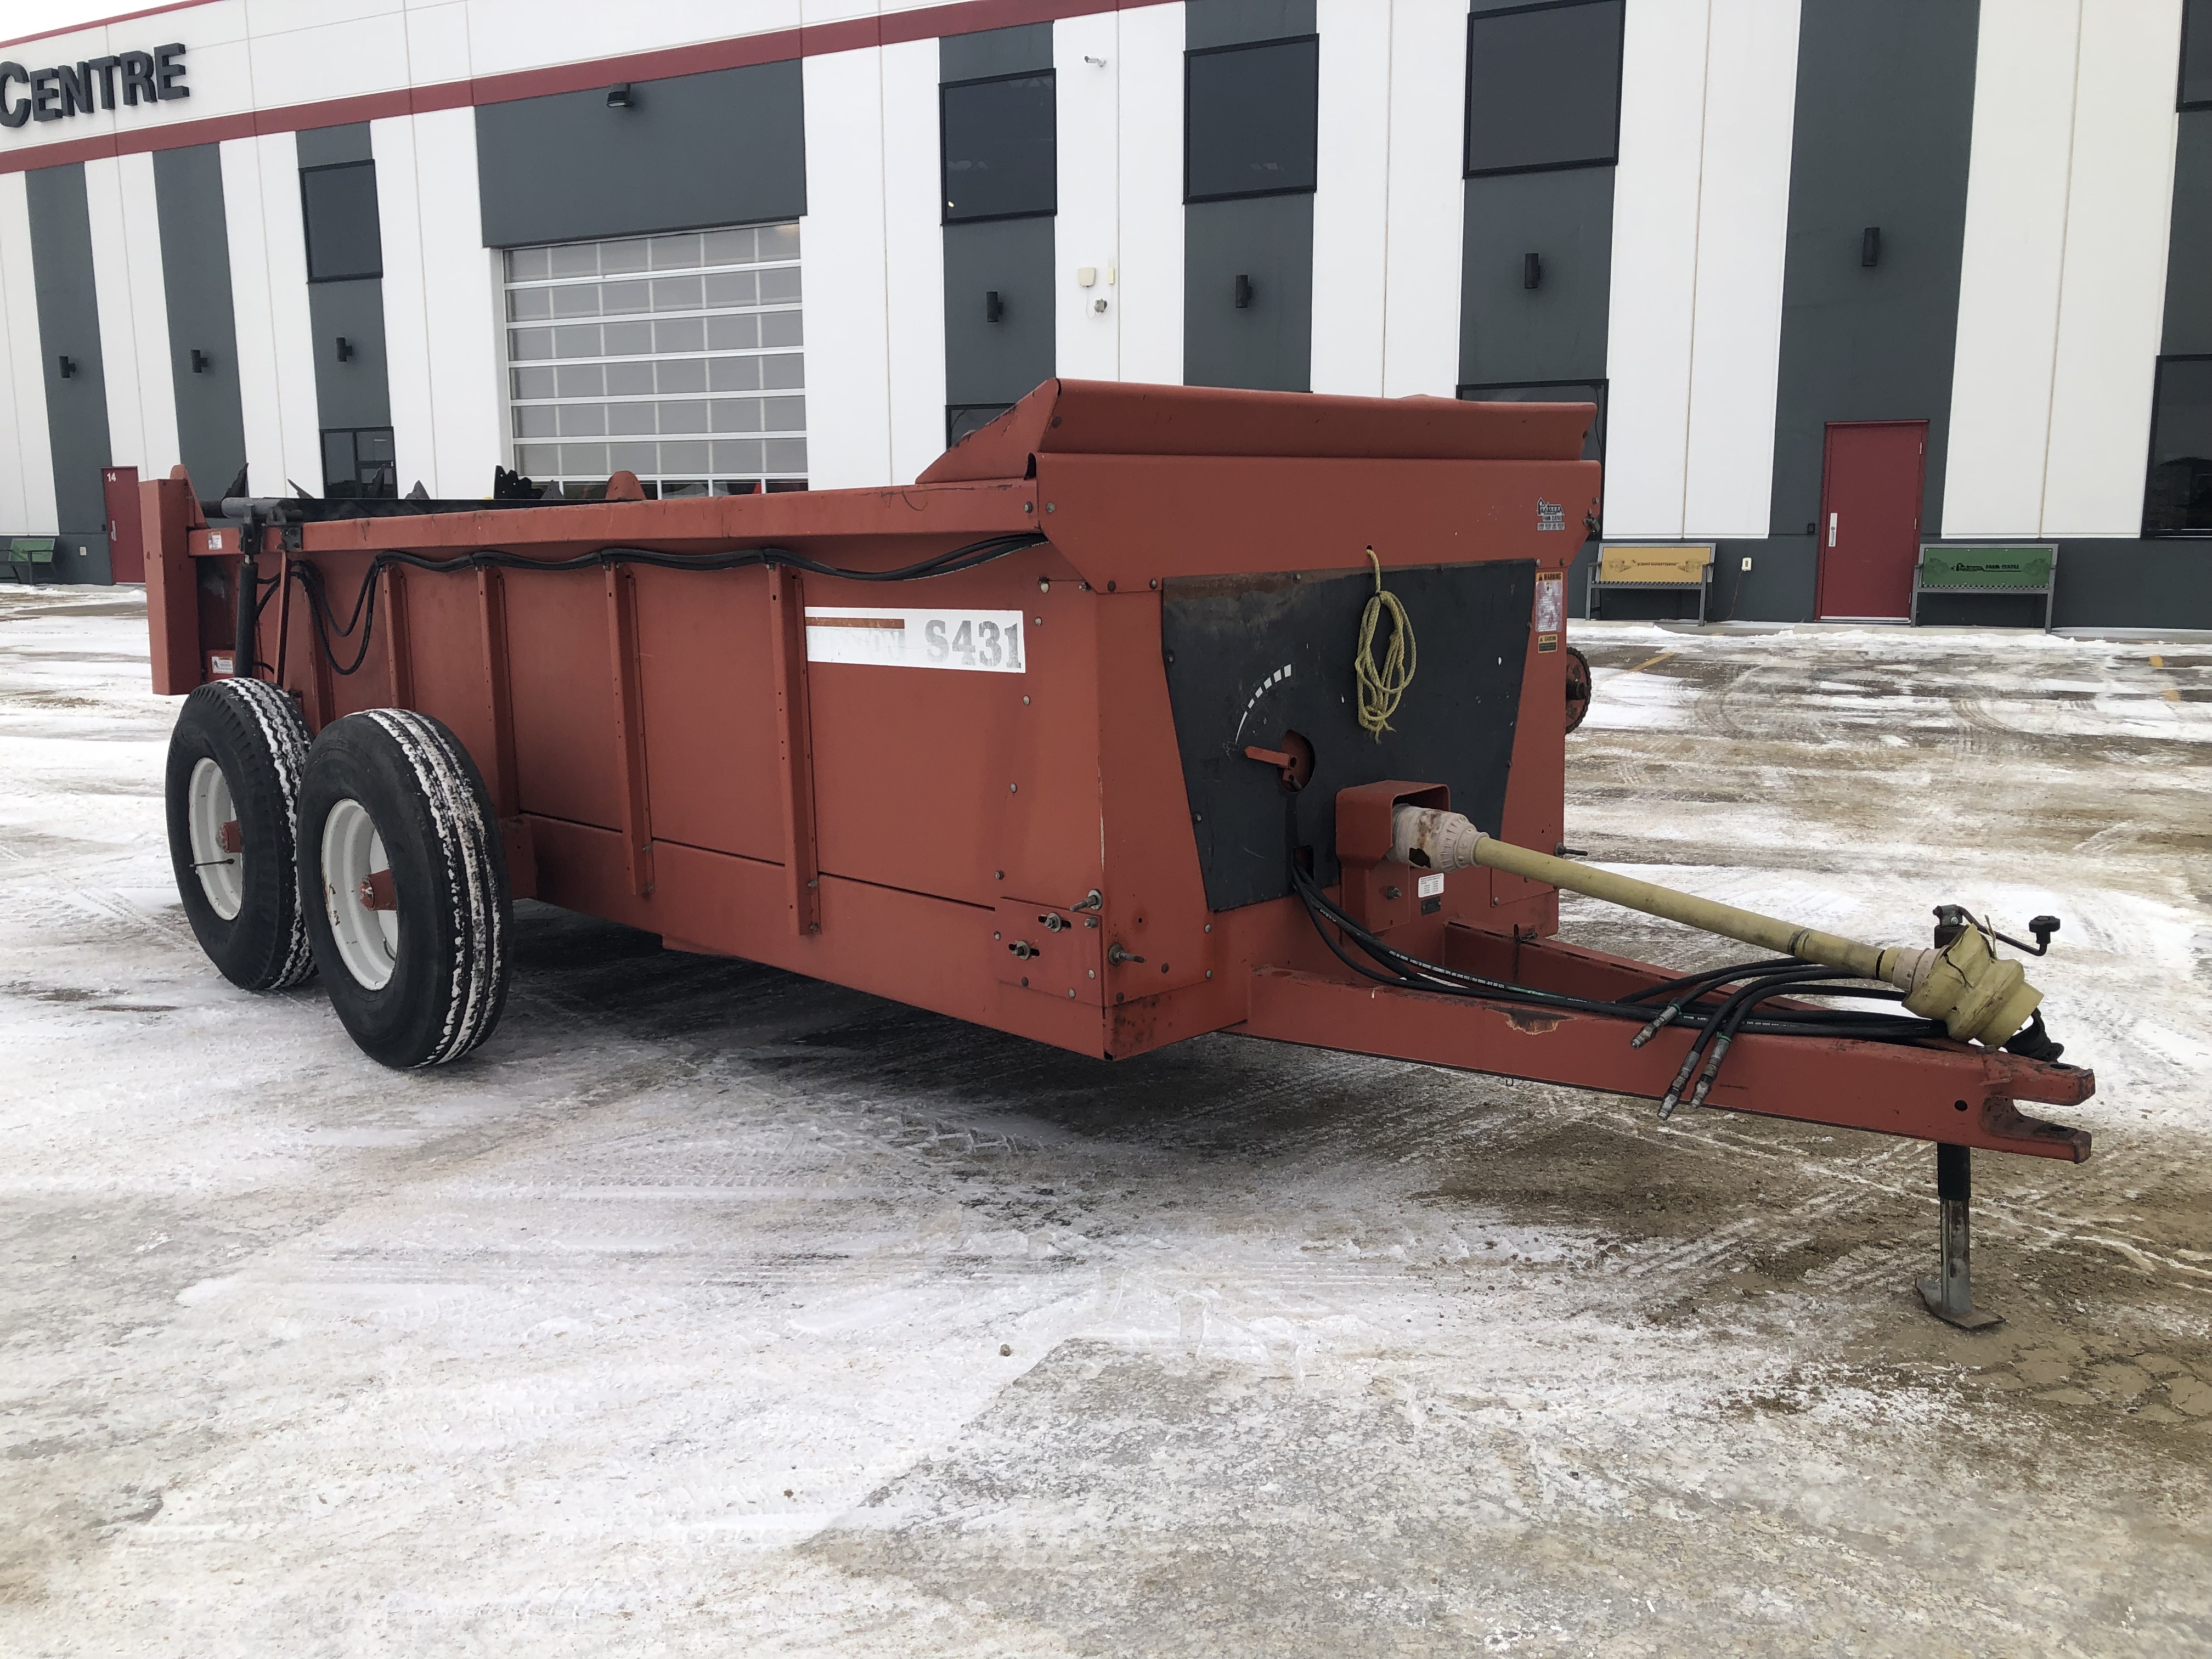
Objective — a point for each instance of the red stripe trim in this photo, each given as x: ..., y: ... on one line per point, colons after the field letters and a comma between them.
x: 777, y: 45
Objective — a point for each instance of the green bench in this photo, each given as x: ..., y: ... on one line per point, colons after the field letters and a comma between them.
x: 27, y: 553
x: 2029, y: 570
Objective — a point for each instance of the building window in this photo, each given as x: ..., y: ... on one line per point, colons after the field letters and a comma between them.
x: 359, y: 462
x: 2178, y: 498
x: 1551, y: 392
x: 344, y: 240
x: 1249, y: 115
x: 961, y: 419
x: 675, y: 358
x: 2195, y: 55
x: 1000, y: 156
x: 1543, y: 86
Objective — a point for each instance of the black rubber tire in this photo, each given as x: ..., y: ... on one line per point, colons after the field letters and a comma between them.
x: 253, y: 732
x: 448, y: 983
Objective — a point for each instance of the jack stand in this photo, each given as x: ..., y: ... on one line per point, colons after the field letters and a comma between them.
x: 1950, y: 1295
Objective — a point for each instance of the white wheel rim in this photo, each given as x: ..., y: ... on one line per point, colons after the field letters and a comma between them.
x: 352, y: 851
x: 208, y: 808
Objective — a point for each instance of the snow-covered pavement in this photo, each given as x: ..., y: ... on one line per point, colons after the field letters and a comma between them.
x: 709, y: 1310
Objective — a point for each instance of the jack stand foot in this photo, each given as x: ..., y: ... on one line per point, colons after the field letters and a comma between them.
x: 1950, y: 1294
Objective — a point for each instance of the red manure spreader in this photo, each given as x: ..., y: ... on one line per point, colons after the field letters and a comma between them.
x: 1147, y: 711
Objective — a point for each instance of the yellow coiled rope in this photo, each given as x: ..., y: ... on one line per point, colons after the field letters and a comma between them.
x: 1381, y: 689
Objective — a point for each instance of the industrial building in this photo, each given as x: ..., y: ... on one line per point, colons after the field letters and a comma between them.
x: 1842, y: 276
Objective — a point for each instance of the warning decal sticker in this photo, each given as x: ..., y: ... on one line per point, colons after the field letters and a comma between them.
x: 980, y: 642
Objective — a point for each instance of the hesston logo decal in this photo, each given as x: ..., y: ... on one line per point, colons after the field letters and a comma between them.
x: 130, y: 78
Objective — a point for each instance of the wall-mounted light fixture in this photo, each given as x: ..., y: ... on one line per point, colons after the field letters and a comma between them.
x: 994, y: 308
x: 345, y: 349
x: 1532, y: 270
x: 1243, y: 291
x: 620, y: 97
x: 69, y: 367
x: 1871, y: 245
x: 200, y: 360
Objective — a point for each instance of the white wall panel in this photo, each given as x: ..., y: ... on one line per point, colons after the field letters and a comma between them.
x: 842, y: 252
x: 2111, y: 293
x: 336, y: 60
x: 156, y: 370
x: 1087, y: 342
x: 461, y: 307
x: 1427, y: 197
x: 1351, y: 214
x: 252, y: 319
x: 1736, y: 361
x: 2008, y: 276
x: 406, y: 317
x: 1650, y: 318
x: 119, y: 323
x: 26, y: 459
x: 913, y: 240
x: 282, y: 255
x: 134, y: 320
x: 1148, y: 138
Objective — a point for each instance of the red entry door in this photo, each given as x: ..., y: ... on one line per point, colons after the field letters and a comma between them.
x: 126, y: 547
x: 1870, y: 528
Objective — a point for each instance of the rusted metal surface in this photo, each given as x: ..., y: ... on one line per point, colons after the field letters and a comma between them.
x: 1961, y: 1096
x: 676, y: 751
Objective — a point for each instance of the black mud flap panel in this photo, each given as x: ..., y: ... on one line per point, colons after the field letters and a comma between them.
x: 1252, y: 660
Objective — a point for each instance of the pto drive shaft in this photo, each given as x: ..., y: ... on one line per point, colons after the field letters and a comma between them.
x: 1964, y: 984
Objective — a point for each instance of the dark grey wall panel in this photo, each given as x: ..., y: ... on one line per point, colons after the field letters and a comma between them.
x: 356, y: 392
x: 1023, y: 50
x: 723, y: 148
x: 1885, y: 112
x: 327, y: 146
x: 2189, y: 255
x: 1232, y: 22
x: 2133, y: 584
x: 987, y: 362
x: 1555, y: 331
x: 196, y: 281
x: 1267, y: 346
x: 69, y: 325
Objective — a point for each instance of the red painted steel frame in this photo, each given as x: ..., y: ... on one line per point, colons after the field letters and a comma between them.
x: 662, y: 752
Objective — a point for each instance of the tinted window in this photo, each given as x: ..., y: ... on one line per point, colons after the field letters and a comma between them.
x: 2196, y: 55
x: 1552, y: 392
x: 1249, y: 115
x: 344, y: 239
x: 2178, y: 495
x: 1543, y: 86
x: 358, y: 462
x: 961, y: 419
x: 1000, y: 155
